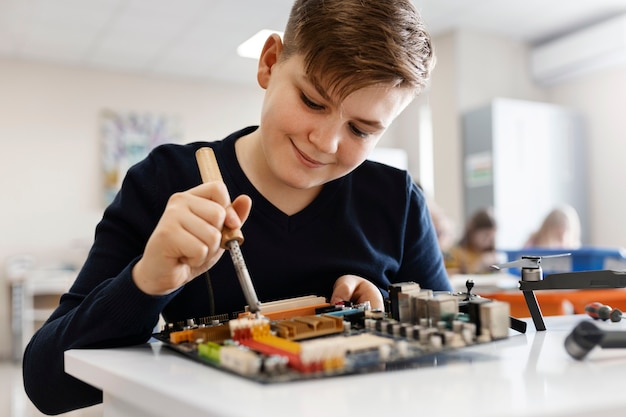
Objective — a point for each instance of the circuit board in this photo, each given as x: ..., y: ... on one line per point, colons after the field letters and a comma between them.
x: 307, y: 338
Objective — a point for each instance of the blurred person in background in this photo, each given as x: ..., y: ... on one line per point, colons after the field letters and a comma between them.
x: 560, y: 230
x: 476, y: 250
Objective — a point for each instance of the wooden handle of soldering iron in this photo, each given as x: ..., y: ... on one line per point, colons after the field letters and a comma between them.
x: 210, y: 171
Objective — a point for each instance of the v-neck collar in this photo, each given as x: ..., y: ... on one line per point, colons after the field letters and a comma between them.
x: 260, y: 204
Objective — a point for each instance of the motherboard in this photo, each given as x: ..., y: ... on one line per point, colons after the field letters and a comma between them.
x: 306, y: 337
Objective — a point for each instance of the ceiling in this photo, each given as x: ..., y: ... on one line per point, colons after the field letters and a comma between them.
x: 196, y: 39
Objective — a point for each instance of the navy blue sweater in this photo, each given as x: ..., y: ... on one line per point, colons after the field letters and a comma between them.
x: 373, y: 223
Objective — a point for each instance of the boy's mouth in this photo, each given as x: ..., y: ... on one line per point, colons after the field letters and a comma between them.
x: 305, y: 159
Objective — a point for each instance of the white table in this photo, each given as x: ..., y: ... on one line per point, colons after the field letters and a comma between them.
x: 525, y: 375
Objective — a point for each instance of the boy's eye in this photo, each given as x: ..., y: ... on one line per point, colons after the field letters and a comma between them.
x: 358, y: 132
x: 309, y: 103
x: 314, y: 106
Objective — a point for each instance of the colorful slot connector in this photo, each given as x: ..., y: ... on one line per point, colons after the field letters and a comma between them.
x: 307, y: 327
x: 182, y: 336
x: 248, y: 327
x: 327, y: 354
x: 241, y: 361
x: 234, y: 358
x: 319, y: 355
x: 215, y: 334
x: 291, y: 307
x: 210, y: 351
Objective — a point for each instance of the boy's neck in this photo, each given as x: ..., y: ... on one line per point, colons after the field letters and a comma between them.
x: 287, y: 199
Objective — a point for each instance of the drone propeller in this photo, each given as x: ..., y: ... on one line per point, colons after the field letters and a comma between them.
x: 532, y: 262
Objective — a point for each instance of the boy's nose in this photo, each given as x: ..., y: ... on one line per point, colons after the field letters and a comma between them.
x: 326, y: 138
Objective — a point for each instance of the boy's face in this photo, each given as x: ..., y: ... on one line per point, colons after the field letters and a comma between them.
x: 310, y: 138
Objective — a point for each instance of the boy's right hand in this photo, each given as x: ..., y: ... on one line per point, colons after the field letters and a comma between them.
x: 186, y: 241
x: 357, y: 290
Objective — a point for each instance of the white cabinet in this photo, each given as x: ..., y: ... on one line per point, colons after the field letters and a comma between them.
x: 523, y: 158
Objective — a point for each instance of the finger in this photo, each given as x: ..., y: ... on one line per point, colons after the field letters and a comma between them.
x: 203, y: 210
x: 184, y: 242
x: 357, y: 290
x: 205, y: 233
x: 197, y: 215
x: 191, y: 250
x: 369, y: 292
x: 207, y: 203
x: 238, y: 212
x: 343, y: 290
x: 214, y: 191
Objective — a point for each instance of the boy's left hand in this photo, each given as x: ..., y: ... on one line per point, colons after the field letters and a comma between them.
x: 357, y: 290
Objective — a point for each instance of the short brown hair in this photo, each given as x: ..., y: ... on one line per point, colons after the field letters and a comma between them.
x: 351, y: 44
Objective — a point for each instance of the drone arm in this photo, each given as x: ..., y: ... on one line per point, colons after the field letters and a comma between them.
x: 577, y: 280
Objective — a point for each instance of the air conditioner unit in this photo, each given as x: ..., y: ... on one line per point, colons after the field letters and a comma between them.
x: 600, y: 46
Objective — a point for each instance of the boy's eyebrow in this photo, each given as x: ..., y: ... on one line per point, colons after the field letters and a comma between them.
x: 372, y: 123
x: 318, y: 87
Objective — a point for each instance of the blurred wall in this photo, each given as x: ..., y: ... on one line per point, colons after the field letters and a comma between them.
x: 601, y: 97
x: 475, y: 68
x: 50, y: 167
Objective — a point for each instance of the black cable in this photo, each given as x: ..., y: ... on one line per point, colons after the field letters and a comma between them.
x: 209, y: 287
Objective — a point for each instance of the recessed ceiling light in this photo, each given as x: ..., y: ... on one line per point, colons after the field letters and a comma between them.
x: 252, y: 47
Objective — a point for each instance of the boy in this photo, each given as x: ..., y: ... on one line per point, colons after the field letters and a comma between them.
x: 317, y: 219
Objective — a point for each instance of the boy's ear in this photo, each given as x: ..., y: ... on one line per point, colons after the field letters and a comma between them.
x: 269, y: 56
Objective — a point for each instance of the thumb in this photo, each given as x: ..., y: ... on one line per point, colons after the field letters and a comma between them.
x: 241, y: 207
x: 343, y: 290
x: 357, y: 290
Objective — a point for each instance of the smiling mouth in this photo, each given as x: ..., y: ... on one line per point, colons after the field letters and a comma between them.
x: 308, y: 161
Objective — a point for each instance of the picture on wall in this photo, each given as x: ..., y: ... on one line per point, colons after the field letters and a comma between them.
x: 127, y: 138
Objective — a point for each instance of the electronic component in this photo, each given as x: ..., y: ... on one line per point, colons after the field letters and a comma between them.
x: 340, y: 339
x: 293, y: 307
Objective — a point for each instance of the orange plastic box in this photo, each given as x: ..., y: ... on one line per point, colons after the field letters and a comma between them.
x: 561, y: 302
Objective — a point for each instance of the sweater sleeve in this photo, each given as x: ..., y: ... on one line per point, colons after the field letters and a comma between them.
x: 103, y: 308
